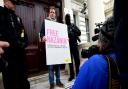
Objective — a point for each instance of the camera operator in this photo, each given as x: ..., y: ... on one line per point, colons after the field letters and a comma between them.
x: 95, y: 72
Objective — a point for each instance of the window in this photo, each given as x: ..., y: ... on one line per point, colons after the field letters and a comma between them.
x: 87, y: 29
x: 74, y: 17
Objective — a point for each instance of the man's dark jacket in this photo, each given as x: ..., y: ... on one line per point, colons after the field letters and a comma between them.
x: 73, y: 34
x: 10, y: 30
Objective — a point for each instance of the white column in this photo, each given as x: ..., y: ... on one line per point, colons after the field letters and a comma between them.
x: 67, y: 8
x: 95, y: 14
x: 67, y: 3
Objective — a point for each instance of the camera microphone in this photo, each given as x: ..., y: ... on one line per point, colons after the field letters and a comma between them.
x: 96, y: 30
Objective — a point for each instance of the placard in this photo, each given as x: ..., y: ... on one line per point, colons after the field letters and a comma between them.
x: 57, y: 43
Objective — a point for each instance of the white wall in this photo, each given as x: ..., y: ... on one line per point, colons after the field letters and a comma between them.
x: 77, y: 7
x: 95, y: 14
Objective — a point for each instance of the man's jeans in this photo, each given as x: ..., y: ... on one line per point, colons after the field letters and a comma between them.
x: 53, y: 68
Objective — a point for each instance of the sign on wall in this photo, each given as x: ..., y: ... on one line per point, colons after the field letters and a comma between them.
x: 57, y: 43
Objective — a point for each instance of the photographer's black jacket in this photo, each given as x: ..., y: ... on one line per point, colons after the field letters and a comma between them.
x: 12, y: 31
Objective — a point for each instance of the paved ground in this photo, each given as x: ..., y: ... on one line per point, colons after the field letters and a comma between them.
x: 41, y: 81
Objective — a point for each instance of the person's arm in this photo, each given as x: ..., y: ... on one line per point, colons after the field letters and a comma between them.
x: 93, y: 74
x: 3, y: 44
x: 77, y: 31
x: 42, y: 32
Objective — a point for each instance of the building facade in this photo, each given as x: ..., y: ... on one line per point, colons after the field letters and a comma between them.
x: 108, y: 9
x: 74, y: 8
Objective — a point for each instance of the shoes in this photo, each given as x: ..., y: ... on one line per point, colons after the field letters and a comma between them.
x: 71, y: 78
x: 51, y: 86
x: 59, y: 84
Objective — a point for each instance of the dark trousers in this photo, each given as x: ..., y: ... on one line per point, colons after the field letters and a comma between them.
x: 15, y: 74
x: 74, y: 55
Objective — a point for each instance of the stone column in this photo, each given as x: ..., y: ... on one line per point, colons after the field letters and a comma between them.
x: 67, y: 3
x: 67, y: 8
x: 95, y: 14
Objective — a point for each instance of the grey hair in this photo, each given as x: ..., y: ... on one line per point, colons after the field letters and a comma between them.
x: 104, y: 42
x: 106, y: 35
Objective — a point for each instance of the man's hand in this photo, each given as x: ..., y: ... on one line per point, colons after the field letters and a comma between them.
x: 43, y: 39
x: 3, y: 44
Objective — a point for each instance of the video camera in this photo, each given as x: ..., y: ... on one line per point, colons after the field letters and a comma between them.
x: 86, y: 53
x: 96, y: 31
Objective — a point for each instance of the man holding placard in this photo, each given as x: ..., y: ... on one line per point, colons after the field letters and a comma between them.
x: 56, y: 67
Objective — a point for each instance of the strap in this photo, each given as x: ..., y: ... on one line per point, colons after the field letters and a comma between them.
x: 109, y: 71
x: 113, y: 72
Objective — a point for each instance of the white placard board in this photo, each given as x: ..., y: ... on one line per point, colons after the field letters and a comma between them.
x: 57, y: 43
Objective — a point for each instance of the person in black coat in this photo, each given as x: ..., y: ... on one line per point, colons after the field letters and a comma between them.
x: 121, y: 39
x: 12, y: 31
x: 73, y: 34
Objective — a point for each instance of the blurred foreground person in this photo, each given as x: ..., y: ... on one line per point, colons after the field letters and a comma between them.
x: 12, y: 31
